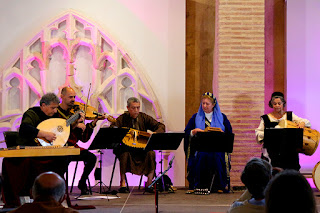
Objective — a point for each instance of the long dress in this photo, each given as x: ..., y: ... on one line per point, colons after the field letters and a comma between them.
x: 202, y: 165
x: 136, y: 160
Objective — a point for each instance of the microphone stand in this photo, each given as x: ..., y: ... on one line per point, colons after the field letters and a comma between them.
x: 100, y: 172
x: 155, y: 182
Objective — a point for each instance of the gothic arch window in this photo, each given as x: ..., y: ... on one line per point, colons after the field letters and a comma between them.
x: 74, y: 51
x: 56, y: 73
x: 14, y: 94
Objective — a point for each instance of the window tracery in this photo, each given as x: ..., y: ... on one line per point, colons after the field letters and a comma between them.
x: 76, y: 52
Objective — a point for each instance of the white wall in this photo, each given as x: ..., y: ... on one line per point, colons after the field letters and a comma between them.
x: 303, y: 66
x: 151, y: 31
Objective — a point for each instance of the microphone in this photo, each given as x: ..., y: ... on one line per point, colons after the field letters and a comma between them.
x: 97, y: 113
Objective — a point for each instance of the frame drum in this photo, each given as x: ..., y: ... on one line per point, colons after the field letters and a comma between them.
x: 316, y: 175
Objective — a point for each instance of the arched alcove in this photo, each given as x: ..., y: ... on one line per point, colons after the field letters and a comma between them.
x: 74, y: 51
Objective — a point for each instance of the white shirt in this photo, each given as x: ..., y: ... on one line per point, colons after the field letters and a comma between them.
x: 260, y: 130
x: 209, y: 116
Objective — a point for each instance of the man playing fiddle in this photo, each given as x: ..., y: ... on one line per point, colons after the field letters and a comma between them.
x: 135, y: 160
x: 79, y: 131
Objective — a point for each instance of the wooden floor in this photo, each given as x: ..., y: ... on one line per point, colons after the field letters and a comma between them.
x: 137, y: 201
x: 179, y: 201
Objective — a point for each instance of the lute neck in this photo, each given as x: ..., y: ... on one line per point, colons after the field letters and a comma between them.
x: 73, y: 117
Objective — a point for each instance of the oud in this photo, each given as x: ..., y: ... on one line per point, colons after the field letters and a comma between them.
x: 59, y: 126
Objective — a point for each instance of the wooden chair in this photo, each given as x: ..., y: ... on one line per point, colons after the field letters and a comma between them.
x: 10, y: 138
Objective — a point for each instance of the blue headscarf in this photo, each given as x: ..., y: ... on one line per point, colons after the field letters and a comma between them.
x: 217, y: 117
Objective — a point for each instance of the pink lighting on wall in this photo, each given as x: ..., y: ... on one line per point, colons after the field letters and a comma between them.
x: 55, y: 50
x: 303, y: 65
x: 149, y: 17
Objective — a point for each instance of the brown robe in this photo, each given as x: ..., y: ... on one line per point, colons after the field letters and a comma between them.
x: 135, y: 160
x: 43, y: 205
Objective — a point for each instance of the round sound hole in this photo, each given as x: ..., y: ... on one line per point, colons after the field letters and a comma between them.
x: 60, y: 129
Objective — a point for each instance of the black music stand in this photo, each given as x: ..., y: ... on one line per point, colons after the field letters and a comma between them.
x: 164, y: 141
x: 282, y: 145
x: 213, y: 141
x: 107, y: 138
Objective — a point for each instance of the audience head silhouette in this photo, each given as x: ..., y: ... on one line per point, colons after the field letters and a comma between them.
x: 256, y: 176
x: 49, y: 185
x: 289, y: 191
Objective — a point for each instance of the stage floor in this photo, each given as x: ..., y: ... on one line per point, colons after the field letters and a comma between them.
x: 136, y: 201
x: 179, y: 201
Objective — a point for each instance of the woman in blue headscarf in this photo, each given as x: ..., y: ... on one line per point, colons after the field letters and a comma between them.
x: 203, y: 165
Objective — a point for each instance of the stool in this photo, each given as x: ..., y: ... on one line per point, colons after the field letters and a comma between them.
x: 114, y: 165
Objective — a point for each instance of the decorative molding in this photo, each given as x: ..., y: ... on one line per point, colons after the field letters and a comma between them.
x: 73, y: 51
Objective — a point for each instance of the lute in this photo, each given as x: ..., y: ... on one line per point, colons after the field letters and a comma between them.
x: 59, y: 126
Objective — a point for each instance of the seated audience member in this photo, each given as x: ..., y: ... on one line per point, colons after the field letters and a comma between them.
x: 246, y: 194
x: 289, y: 191
x: 255, y: 177
x: 48, y: 192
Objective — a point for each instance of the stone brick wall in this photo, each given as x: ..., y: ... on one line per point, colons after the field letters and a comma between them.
x: 239, y: 77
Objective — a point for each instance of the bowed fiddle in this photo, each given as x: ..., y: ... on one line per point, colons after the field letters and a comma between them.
x: 90, y: 112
